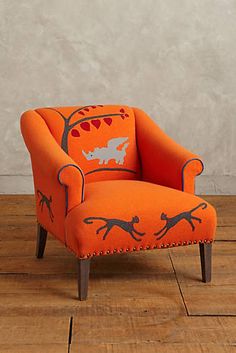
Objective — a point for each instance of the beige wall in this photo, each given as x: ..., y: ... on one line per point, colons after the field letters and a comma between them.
x: 176, y: 59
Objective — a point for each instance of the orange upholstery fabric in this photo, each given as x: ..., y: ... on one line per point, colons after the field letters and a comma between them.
x: 163, y: 160
x: 142, y: 206
x: 113, y: 167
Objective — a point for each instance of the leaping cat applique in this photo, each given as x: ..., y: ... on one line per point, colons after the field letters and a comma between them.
x: 127, y: 226
x: 105, y: 154
x: 172, y: 221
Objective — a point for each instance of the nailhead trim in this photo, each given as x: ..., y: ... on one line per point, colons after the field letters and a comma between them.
x: 147, y: 247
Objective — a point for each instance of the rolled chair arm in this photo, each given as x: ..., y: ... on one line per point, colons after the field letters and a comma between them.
x: 164, y: 161
x: 71, y: 176
x: 55, y: 174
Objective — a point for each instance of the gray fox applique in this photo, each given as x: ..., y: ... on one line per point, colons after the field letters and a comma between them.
x: 105, y: 154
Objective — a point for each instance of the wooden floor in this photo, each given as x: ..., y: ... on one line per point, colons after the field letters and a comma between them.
x: 146, y: 302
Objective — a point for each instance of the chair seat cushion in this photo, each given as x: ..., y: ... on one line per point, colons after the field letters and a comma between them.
x: 127, y: 215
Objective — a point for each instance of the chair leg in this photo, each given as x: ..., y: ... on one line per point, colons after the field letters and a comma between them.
x: 83, y: 278
x: 205, y: 256
x: 41, y: 241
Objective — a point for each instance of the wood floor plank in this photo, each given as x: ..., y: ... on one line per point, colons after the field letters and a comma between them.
x: 17, y: 228
x: 148, y: 347
x: 34, y: 329
x: 117, y: 295
x: 128, y: 276
x: 17, y: 205
x: 151, y: 328
x: 225, y: 208
x: 34, y: 348
x: 156, y: 261
x: 151, y: 261
x: 218, y: 248
x: 31, y: 265
x: 217, y: 297
x: 226, y: 233
x: 18, y: 248
x: 211, y: 300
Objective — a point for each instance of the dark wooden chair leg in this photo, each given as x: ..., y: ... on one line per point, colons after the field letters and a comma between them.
x: 83, y: 278
x: 205, y: 255
x: 41, y: 241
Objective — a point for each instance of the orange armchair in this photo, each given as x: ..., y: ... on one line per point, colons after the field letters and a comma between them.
x: 109, y: 180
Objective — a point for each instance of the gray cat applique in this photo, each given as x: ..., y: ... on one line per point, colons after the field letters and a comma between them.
x: 105, y: 154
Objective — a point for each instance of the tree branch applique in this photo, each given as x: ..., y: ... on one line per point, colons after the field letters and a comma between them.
x: 105, y: 154
x: 112, y: 222
x: 84, y: 122
x: 44, y: 200
x: 172, y: 221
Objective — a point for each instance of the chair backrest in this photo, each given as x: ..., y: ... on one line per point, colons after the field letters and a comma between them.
x: 100, y: 139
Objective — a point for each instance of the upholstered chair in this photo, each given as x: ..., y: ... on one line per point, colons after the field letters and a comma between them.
x: 108, y: 180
